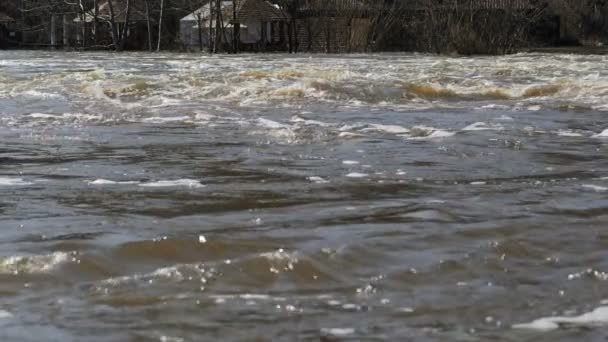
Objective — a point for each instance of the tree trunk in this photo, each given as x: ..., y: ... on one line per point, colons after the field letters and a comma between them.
x: 224, y: 39
x: 83, y: 15
x: 289, y: 37
x: 53, y: 31
x: 149, y: 25
x: 22, y: 17
x: 160, y: 24
x: 113, y: 28
x: 66, y: 40
x: 211, y: 40
x: 125, y: 28
x: 218, y: 20
x: 309, y: 31
x: 327, y: 37
x: 200, y: 31
x: 95, y: 21
x: 264, y: 34
x: 294, y: 29
x: 236, y: 28
x: 294, y: 32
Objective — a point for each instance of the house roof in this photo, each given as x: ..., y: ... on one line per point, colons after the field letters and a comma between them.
x: 5, y: 18
x: 136, y: 12
x: 206, y: 25
x: 305, y: 5
x: 204, y: 11
x: 246, y: 10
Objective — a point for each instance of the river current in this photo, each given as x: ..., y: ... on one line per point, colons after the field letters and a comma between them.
x: 389, y: 197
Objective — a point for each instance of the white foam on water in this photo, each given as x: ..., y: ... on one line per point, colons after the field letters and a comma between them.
x: 428, y: 133
x: 190, y: 183
x: 204, y: 117
x: 162, y: 120
x: 350, y: 135
x: 32, y: 264
x: 345, y: 128
x: 595, y: 188
x: 603, y: 134
x: 478, y: 183
x: 337, y: 332
x: 601, y: 107
x: 281, y: 260
x: 568, y: 133
x: 371, y: 81
x: 350, y: 162
x: 175, y: 273
x: 220, y: 299
x: 277, y: 130
x: 390, y: 129
x: 495, y: 106
x: 271, y: 124
x: 280, y: 254
x: 254, y: 296
x: 102, y: 181
x: 357, y: 175
x: 41, y: 116
x: 41, y: 95
x: 482, y: 126
x: 69, y: 117
x: 597, y: 317
x: 318, y: 180
x: 9, y: 181
x: 5, y: 314
x: 309, y: 122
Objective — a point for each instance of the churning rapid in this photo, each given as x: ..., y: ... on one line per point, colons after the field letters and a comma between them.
x: 282, y: 198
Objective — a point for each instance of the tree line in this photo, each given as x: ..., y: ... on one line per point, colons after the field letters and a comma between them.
x: 441, y: 26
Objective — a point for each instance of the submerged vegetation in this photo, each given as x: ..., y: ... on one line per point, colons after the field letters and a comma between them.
x: 455, y: 26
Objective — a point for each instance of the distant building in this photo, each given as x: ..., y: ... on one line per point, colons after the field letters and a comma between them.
x: 337, y: 26
x: 136, y: 25
x: 262, y: 26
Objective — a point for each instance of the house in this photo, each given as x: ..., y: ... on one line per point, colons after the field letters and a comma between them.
x: 8, y: 31
x: 261, y: 26
x: 578, y: 22
x: 136, y: 33
x: 334, y: 26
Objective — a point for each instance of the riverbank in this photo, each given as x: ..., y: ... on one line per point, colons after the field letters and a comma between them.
x: 579, y: 50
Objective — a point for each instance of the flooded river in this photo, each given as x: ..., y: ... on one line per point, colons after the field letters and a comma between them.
x: 303, y: 198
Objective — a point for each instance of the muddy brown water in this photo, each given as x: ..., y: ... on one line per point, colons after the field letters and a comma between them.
x: 302, y: 198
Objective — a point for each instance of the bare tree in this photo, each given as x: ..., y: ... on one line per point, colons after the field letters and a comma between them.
x: 113, y: 25
x: 148, y: 24
x: 95, y: 22
x: 236, y: 28
x: 160, y: 24
x: 211, y: 44
x: 217, y: 42
x: 291, y: 8
x: 125, y: 28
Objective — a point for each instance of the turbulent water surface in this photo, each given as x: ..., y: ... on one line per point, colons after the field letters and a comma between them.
x: 283, y: 198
